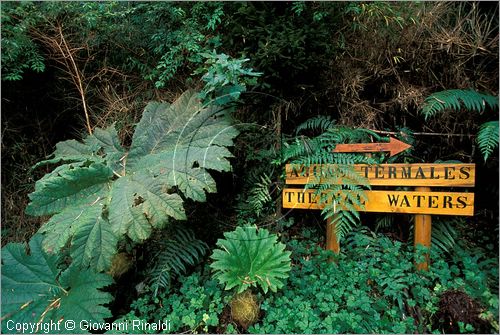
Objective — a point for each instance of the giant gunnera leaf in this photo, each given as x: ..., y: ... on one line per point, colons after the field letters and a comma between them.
x: 35, y: 290
x: 249, y: 257
x: 101, y: 191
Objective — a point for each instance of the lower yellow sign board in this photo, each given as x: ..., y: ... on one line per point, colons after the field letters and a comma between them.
x: 410, y: 202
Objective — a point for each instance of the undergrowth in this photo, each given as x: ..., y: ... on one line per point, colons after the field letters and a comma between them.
x: 371, y: 288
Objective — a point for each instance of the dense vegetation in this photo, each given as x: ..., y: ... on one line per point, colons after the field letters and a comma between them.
x: 143, y: 153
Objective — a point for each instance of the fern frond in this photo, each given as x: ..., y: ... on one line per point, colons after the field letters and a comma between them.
x: 383, y: 222
x: 346, y: 196
x: 301, y: 146
x: 345, y: 222
x: 259, y: 195
x: 180, y: 250
x: 320, y: 122
x: 444, y: 236
x: 454, y: 99
x: 487, y: 138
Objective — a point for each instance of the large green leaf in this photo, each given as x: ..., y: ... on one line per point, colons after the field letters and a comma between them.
x: 140, y: 202
x: 34, y: 289
x: 70, y: 187
x: 183, y: 125
x: 102, y: 192
x: 251, y: 257
x: 102, y: 146
x: 93, y: 242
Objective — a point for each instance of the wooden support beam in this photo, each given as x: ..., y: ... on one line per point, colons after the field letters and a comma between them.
x: 332, y: 242
x: 423, y: 231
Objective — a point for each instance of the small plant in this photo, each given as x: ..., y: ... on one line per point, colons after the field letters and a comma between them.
x: 249, y: 257
x: 225, y: 78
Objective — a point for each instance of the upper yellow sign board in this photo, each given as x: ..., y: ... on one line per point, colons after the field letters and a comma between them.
x: 449, y: 175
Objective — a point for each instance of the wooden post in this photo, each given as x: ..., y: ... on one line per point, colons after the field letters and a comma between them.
x: 331, y: 237
x: 422, y: 233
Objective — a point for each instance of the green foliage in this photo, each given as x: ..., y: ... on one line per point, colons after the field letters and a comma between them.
x: 103, y: 192
x: 19, y: 51
x: 174, y: 253
x: 282, y: 40
x: 318, y: 123
x: 175, y: 50
x: 473, y: 101
x: 455, y: 99
x: 445, y: 234
x: 250, y: 257
x: 225, y: 78
x: 381, y: 15
x: 35, y: 288
x: 487, y: 138
x: 259, y: 195
x: 196, y: 306
x: 342, y: 200
x: 372, y: 288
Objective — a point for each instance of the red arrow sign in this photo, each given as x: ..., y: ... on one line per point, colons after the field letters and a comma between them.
x: 394, y: 146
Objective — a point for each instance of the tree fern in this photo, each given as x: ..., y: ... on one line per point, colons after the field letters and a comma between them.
x: 173, y: 255
x: 487, y: 137
x: 259, y: 194
x: 320, y: 123
x: 455, y: 99
x: 445, y: 234
x: 342, y: 200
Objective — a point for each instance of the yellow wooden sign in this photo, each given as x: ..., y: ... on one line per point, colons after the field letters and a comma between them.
x: 456, y: 175
x: 411, y: 202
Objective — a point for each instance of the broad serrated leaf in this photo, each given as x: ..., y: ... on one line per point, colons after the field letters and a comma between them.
x: 70, y: 187
x: 125, y: 216
x: 102, y: 192
x: 250, y: 257
x: 84, y: 300
x: 140, y: 202
x: 108, y: 141
x: 183, y: 124
x: 94, y: 244
x: 28, y: 282
x: 34, y: 290
x: 59, y: 229
x: 103, y: 146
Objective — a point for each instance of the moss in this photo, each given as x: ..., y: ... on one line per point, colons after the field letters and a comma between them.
x: 244, y: 309
x: 121, y: 263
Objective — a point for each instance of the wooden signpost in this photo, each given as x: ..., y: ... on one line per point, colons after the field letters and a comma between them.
x: 422, y: 201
